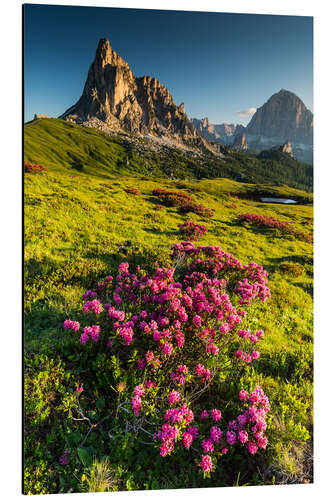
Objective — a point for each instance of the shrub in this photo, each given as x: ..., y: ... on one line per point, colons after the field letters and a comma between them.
x: 270, y: 222
x: 133, y: 190
x: 192, y: 230
x: 33, y: 168
x: 182, y: 200
x: 170, y: 336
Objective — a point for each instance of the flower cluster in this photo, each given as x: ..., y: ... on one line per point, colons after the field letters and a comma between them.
x: 247, y: 430
x: 192, y: 230
x: 180, y: 331
x: 271, y: 222
x: 183, y: 200
x: 214, y: 262
x: 33, y: 168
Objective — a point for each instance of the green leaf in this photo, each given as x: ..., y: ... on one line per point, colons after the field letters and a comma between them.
x: 84, y: 456
x: 100, y: 403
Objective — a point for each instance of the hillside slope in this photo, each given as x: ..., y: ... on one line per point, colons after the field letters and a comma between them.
x: 64, y: 146
x: 76, y: 232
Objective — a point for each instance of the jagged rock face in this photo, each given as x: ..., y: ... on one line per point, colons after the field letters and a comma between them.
x: 224, y: 133
x: 287, y: 148
x: 113, y: 95
x: 240, y: 143
x: 284, y: 116
x: 40, y: 116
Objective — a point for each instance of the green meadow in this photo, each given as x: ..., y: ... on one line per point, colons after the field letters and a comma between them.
x: 80, y: 223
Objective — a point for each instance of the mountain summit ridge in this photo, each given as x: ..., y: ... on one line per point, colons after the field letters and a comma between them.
x: 113, y: 95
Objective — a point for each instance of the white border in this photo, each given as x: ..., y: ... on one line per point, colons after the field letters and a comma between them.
x: 10, y: 123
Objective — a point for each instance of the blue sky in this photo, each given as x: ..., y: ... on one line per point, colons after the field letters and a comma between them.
x: 217, y: 64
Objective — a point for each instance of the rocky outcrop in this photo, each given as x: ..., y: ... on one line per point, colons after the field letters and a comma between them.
x: 115, y: 96
x: 277, y: 152
x: 240, y: 143
x: 40, y: 116
x: 287, y: 148
x: 223, y: 133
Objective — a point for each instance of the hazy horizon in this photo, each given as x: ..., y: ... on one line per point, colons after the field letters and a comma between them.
x: 222, y: 66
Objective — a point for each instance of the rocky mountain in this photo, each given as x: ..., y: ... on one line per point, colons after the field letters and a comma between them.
x: 224, y: 133
x: 287, y: 148
x: 114, y: 98
x: 240, y: 143
x: 284, y: 117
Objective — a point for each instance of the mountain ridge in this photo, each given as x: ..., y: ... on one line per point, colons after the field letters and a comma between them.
x: 283, y: 117
x: 139, y: 105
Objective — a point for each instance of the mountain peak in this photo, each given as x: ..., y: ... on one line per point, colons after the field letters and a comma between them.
x: 114, y: 98
x: 106, y: 55
x: 284, y: 116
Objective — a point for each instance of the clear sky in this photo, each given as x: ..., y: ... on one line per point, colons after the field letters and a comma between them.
x: 220, y: 65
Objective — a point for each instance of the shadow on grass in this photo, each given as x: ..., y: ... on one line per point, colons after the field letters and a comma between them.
x: 304, y: 260
x: 307, y: 287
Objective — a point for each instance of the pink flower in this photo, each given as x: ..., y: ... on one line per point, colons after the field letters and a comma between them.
x: 199, y: 369
x: 255, y: 354
x: 79, y: 389
x: 167, y: 349
x: 242, y: 420
x: 231, y: 437
x: 215, y: 433
x: 216, y: 415
x: 71, y: 325
x: 187, y: 439
x: 96, y: 306
x: 174, y: 397
x: 197, y: 320
x: 149, y: 356
x: 123, y: 267
x: 204, y: 415
x: 84, y: 338
x: 243, y: 436
x: 252, y: 447
x: 166, y: 448
x: 67, y: 324
x: 224, y: 450
x: 206, y: 463
x: 207, y: 445
x: 136, y: 405
x: 150, y: 383
x: 94, y: 333
x: 243, y: 395
x: 139, y: 390
x: 262, y: 442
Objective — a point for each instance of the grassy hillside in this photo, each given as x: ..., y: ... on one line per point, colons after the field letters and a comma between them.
x: 68, y: 147
x: 79, y: 225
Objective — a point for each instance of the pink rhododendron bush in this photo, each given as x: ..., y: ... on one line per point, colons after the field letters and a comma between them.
x: 178, y: 341
x: 192, y: 230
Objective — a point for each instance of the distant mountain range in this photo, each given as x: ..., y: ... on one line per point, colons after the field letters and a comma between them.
x: 114, y: 99
x: 284, y: 117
